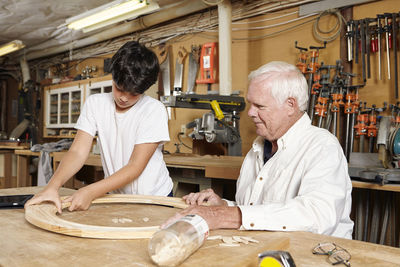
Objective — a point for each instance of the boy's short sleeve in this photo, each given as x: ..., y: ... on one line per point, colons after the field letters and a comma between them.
x: 154, y: 125
x: 86, y: 121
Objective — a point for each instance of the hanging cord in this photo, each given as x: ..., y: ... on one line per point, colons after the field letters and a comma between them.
x: 334, y: 31
x: 182, y: 143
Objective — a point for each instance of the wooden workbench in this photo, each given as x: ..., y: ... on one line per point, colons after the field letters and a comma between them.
x: 222, y: 167
x: 23, y: 244
x: 191, y: 168
x: 225, y: 167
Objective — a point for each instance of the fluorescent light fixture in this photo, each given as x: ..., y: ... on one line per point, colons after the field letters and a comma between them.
x: 11, y: 47
x: 111, y: 13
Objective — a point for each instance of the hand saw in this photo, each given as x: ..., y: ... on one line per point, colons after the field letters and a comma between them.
x: 179, y: 70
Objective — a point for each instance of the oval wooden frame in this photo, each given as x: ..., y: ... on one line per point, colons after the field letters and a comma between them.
x: 45, y: 216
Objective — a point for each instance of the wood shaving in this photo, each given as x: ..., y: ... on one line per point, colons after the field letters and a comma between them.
x: 124, y: 220
x: 233, y: 241
x: 229, y: 245
x: 145, y: 219
x: 214, y: 237
x: 250, y: 239
x: 239, y: 239
x: 228, y: 240
x: 121, y: 220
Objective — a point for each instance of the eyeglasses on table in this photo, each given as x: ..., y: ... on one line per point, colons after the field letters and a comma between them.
x: 336, y: 254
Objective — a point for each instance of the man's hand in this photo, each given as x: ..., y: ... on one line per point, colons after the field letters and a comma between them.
x: 50, y: 195
x: 206, y: 196
x: 81, y: 200
x: 216, y: 216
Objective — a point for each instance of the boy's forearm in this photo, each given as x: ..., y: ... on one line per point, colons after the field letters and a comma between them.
x: 71, y: 163
x: 119, y: 179
x: 127, y: 174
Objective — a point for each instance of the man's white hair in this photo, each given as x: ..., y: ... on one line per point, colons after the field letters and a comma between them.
x: 285, y: 80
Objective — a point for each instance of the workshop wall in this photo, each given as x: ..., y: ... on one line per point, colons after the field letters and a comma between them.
x: 249, y: 53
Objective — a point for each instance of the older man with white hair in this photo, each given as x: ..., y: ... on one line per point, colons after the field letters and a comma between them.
x: 294, y: 178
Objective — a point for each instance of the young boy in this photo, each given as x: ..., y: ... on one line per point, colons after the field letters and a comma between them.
x: 131, y: 129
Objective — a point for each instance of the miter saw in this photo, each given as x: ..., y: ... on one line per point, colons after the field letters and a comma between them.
x: 219, y: 126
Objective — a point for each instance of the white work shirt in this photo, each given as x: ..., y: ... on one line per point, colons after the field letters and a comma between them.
x: 118, y: 133
x: 304, y: 186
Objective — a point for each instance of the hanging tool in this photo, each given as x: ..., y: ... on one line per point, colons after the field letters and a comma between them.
x: 316, y: 86
x: 208, y: 65
x: 337, y: 102
x: 321, y: 108
x: 361, y: 128
x: 369, y: 43
x: 314, y: 65
x: 337, y: 96
x: 394, y: 38
x: 387, y: 29
x: 371, y: 128
x: 355, y: 106
x: 356, y: 40
x: 350, y: 40
x: 181, y: 55
x: 363, y: 37
x: 313, y: 79
x: 350, y: 109
x: 302, y: 63
x: 194, y: 57
x: 374, y: 40
x: 163, y: 54
x: 379, y: 31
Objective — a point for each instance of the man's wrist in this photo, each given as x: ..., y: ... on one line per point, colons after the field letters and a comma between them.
x: 228, y: 217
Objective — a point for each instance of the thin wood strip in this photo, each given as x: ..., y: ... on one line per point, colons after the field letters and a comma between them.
x: 45, y: 216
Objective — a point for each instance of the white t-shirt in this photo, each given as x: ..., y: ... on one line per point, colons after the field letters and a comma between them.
x: 304, y: 186
x: 145, y: 122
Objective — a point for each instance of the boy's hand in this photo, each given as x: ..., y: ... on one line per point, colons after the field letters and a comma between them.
x: 81, y: 200
x: 50, y: 195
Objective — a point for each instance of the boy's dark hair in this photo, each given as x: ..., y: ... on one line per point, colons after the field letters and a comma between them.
x: 134, y: 68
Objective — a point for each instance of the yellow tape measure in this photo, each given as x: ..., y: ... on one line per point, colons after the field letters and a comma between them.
x: 270, y: 262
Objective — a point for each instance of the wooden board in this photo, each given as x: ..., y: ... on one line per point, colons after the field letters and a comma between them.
x: 45, y: 216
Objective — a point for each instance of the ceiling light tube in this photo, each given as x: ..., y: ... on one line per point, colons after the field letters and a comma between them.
x: 11, y: 47
x: 110, y: 13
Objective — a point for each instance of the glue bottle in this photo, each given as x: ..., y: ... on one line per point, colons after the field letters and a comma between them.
x: 172, y: 245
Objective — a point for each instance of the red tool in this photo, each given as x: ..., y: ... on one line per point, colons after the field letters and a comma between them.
x: 208, y: 65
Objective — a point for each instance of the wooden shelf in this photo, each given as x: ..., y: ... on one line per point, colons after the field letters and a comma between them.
x: 69, y: 95
x: 367, y: 185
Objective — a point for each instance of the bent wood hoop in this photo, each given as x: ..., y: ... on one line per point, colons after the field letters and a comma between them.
x: 45, y: 216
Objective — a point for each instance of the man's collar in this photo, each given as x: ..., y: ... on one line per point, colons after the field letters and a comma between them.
x: 303, y: 122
